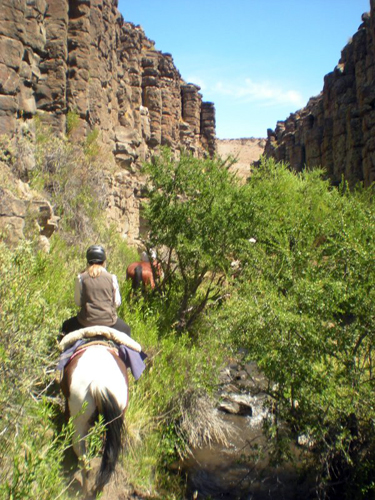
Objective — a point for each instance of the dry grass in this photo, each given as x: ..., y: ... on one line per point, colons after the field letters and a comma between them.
x: 201, y: 423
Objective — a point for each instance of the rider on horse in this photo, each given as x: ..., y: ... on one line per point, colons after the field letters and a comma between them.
x: 93, y: 367
x: 144, y: 272
x: 97, y: 294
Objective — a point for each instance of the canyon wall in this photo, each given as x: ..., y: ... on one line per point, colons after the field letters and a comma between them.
x: 65, y: 59
x: 336, y: 130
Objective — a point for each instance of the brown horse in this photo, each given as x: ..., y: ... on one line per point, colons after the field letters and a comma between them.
x: 143, y: 273
x: 95, y: 382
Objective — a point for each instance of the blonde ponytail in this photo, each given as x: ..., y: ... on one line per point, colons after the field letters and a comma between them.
x: 95, y: 270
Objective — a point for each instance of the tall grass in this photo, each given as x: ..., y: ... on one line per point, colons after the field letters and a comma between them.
x: 36, y: 294
x: 34, y: 300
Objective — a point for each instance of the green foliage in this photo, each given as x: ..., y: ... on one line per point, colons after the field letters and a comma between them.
x: 94, y: 440
x: 72, y: 121
x: 91, y: 146
x: 6, y: 150
x: 195, y: 213
x: 74, y: 181
x: 34, y: 301
x: 304, y: 307
x: 35, y: 470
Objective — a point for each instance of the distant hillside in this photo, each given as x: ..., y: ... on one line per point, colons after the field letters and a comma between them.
x: 246, y: 151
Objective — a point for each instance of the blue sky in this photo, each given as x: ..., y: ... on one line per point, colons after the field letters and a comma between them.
x: 257, y: 60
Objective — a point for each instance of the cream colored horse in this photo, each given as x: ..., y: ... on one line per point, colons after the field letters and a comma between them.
x: 95, y: 382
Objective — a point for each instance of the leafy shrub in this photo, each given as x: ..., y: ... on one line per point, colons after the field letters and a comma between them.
x: 34, y: 301
x: 195, y: 212
x: 72, y: 121
x: 75, y: 183
x: 304, y: 307
x: 91, y: 146
x: 6, y: 150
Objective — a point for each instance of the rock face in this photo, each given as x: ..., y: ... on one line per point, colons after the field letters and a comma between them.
x: 60, y: 58
x: 23, y: 212
x: 336, y: 129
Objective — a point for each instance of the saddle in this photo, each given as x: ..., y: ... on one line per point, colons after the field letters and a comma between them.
x: 125, y: 347
x: 106, y: 332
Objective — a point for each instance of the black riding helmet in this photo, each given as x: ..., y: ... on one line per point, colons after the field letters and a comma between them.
x: 95, y: 254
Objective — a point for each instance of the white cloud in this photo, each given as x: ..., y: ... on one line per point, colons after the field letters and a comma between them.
x: 265, y: 93
x: 197, y: 81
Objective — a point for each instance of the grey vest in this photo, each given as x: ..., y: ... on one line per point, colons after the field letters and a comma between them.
x: 98, y: 300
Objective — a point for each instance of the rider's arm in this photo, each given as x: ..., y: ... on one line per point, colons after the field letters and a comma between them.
x: 78, y: 291
x: 116, y: 290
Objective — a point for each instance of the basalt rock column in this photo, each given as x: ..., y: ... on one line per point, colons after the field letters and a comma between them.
x: 22, y: 47
x: 336, y: 129
x: 191, y: 115
x: 171, y: 100
x: 208, y: 127
x: 51, y: 63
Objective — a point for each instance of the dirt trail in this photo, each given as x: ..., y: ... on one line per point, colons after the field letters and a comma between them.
x: 118, y: 487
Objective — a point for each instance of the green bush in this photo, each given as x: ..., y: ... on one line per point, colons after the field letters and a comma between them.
x: 304, y: 308
x: 72, y: 121
x: 34, y: 301
x: 195, y: 212
x: 73, y: 178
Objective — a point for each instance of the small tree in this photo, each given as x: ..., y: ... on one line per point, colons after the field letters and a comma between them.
x: 304, y: 309
x: 195, y: 212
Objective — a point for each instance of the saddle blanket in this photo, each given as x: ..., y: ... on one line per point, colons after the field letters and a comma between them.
x: 130, y: 352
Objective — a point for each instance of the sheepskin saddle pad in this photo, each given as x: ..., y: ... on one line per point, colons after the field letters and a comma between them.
x: 102, y: 331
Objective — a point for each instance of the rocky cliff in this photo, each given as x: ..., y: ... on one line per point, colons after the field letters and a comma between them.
x: 78, y: 57
x: 336, y: 129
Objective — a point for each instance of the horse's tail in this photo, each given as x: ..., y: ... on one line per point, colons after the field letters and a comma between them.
x: 137, y: 280
x: 108, y: 406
